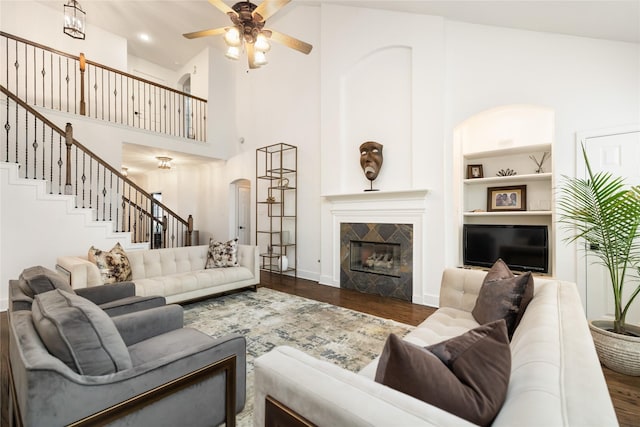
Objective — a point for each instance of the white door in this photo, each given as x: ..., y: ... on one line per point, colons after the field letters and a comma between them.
x: 619, y: 153
x: 243, y: 212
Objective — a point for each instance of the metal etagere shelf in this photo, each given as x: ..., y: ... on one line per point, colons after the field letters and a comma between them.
x: 277, y: 207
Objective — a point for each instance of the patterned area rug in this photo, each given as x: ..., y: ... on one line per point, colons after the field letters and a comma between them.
x: 269, y: 318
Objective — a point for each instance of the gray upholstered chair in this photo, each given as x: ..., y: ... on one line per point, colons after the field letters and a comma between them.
x: 69, y: 361
x: 114, y: 299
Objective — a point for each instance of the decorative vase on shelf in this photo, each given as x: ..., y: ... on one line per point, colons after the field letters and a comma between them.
x: 283, y: 263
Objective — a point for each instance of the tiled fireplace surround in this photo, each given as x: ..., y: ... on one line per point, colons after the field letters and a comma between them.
x: 376, y: 209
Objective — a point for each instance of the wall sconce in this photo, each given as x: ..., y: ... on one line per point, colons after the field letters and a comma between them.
x: 124, y: 171
x: 165, y: 162
x: 74, y: 20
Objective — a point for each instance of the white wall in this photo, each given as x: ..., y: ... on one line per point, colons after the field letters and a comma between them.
x: 588, y: 83
x: 467, y: 69
x: 280, y: 102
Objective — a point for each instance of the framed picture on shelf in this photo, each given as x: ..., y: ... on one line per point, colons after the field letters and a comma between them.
x: 512, y: 198
x: 474, y: 171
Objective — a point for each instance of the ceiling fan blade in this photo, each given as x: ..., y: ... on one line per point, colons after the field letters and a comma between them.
x: 204, y: 33
x: 267, y: 8
x: 288, y: 41
x: 221, y: 5
x: 251, y: 55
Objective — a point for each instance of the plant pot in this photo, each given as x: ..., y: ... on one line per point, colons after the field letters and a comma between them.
x: 620, y: 353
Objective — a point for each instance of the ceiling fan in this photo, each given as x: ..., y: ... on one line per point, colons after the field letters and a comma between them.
x: 248, y: 30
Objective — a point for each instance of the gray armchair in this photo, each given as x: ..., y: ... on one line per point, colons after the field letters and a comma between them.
x: 115, y: 299
x: 72, y: 363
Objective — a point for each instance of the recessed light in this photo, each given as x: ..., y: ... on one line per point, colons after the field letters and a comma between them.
x: 144, y: 37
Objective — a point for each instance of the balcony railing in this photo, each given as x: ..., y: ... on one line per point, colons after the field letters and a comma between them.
x: 46, y: 152
x: 48, y: 78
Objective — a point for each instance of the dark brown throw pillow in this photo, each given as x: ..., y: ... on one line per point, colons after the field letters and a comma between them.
x: 467, y: 376
x: 503, y: 296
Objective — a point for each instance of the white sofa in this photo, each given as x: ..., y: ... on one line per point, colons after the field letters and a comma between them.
x: 556, y: 378
x: 178, y: 274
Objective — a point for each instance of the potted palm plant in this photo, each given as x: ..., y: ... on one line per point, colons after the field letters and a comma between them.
x: 604, y: 212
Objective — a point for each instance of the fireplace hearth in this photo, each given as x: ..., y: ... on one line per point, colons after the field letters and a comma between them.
x: 377, y: 258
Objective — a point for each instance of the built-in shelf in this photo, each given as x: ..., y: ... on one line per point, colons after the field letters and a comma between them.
x: 514, y: 213
x: 509, y: 179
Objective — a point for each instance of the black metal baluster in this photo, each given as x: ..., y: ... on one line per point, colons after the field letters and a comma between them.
x: 51, y: 78
x: 110, y: 194
x: 117, y: 205
x: 60, y: 83
x: 95, y: 95
x: 26, y: 148
x: 7, y: 128
x: 90, y: 183
x: 84, y: 176
x: 44, y: 74
x: 102, y: 92
x: 51, y: 162
x: 67, y: 81
x: 104, y: 193
x: 26, y: 74
x: 35, y: 148
x: 60, y: 163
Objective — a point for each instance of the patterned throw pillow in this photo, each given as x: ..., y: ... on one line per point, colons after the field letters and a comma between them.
x: 114, y: 265
x: 222, y: 254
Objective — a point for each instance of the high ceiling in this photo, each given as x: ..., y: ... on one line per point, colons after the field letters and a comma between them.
x: 164, y: 21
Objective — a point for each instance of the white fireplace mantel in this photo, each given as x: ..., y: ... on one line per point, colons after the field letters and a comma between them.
x: 400, y: 207
x: 377, y: 196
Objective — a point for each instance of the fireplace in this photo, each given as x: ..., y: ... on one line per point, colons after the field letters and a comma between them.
x: 376, y: 258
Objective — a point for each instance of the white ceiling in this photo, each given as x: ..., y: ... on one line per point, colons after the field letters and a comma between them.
x: 166, y: 20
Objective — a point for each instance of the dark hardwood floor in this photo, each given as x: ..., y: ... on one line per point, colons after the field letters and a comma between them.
x: 624, y: 390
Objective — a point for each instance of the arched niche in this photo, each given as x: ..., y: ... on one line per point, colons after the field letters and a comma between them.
x: 504, y: 127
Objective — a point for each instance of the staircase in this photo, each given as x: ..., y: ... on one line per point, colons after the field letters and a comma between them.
x: 59, y: 198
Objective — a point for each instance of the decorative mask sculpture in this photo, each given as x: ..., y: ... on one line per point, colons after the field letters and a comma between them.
x: 371, y: 160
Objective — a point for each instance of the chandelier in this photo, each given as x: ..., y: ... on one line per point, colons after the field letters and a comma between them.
x: 74, y: 20
x: 165, y: 162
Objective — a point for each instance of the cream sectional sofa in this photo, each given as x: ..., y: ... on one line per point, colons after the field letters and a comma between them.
x: 178, y: 274
x: 556, y: 378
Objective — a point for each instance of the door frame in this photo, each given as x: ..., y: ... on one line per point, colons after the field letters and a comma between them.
x: 234, y: 210
x: 581, y: 171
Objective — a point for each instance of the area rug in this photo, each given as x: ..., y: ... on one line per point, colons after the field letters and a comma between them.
x: 270, y: 318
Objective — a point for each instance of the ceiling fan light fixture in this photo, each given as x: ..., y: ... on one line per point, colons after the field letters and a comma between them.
x: 259, y: 58
x: 233, y: 52
x: 262, y: 44
x: 232, y: 37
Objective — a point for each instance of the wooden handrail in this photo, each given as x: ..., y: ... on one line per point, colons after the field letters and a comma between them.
x: 97, y: 64
x: 41, y: 75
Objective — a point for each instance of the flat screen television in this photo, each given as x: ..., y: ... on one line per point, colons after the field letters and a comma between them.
x: 521, y: 247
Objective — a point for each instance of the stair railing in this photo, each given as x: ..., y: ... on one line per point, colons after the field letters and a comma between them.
x: 46, y: 152
x: 49, y: 78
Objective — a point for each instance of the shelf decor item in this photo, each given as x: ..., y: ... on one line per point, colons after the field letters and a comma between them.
x: 511, y: 198
x: 604, y: 212
x: 474, y: 171
x: 506, y: 172
x: 540, y: 163
x: 371, y: 161
x: 283, y: 263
